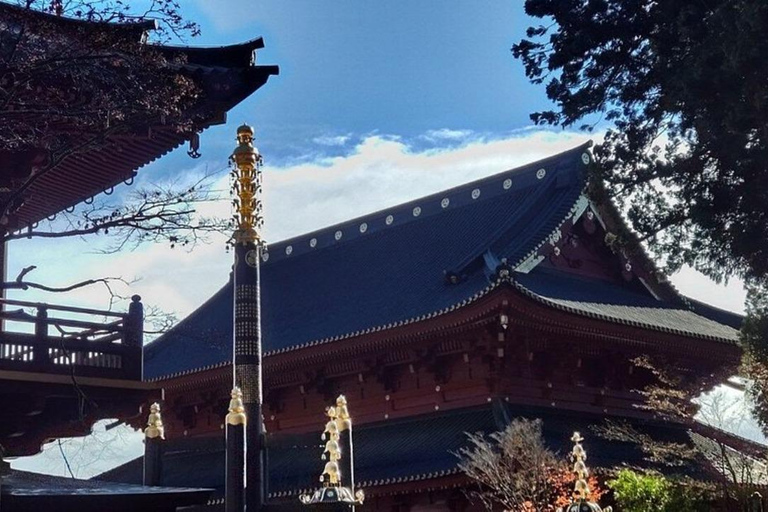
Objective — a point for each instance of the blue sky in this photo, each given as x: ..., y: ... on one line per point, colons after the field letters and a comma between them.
x: 355, y: 68
x: 376, y: 103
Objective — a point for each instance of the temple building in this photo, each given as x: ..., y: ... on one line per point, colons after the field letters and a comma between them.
x: 457, y: 312
x: 62, y: 368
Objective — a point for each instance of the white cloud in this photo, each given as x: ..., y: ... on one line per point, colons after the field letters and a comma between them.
x: 332, y: 140
x: 446, y: 134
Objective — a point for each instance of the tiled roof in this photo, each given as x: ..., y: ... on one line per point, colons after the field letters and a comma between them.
x: 608, y: 301
x: 389, y: 268
x: 386, y: 267
x: 225, y: 76
x: 397, y: 451
x: 22, y: 490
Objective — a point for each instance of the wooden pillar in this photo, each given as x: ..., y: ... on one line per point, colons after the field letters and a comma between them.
x: 40, y: 354
x: 3, y: 275
x: 133, y: 363
x: 154, y: 436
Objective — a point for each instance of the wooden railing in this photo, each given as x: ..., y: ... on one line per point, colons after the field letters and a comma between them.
x: 71, y: 340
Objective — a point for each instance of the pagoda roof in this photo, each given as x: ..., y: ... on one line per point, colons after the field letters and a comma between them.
x: 225, y: 75
x: 423, y: 259
x: 410, y: 449
x: 22, y: 490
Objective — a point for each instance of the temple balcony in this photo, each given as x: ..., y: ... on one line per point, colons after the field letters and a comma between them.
x: 63, y: 368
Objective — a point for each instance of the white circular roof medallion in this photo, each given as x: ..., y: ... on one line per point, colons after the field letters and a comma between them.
x: 585, y: 158
x: 363, y: 227
x: 289, y: 250
x: 417, y: 211
x: 541, y: 173
x: 445, y: 202
x: 337, y: 235
x: 313, y: 242
x: 507, y: 184
x: 476, y: 193
x: 265, y: 256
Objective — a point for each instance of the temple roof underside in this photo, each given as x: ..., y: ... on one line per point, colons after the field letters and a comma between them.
x: 224, y: 75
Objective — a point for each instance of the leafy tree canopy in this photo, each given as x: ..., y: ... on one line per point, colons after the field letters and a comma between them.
x: 684, y: 88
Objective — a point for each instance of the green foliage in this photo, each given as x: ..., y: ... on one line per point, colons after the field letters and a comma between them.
x: 754, y: 337
x: 681, y: 85
x: 643, y: 492
x: 635, y: 492
x: 689, y: 496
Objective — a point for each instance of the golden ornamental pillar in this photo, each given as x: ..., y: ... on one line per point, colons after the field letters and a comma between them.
x: 247, y: 351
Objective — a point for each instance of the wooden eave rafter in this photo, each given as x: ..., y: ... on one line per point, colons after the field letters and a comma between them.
x: 225, y: 74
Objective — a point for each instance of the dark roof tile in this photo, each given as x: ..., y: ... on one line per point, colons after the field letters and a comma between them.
x: 389, y: 269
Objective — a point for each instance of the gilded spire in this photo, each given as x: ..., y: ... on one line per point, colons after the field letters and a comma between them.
x: 236, y: 415
x: 579, y: 455
x: 332, y: 490
x: 343, y: 420
x: 581, y: 491
x: 331, y: 475
x: 247, y: 187
x: 154, y: 423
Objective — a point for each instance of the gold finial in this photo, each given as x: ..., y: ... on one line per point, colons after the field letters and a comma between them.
x: 331, y: 474
x: 247, y: 186
x: 236, y: 415
x: 343, y: 420
x: 155, y: 426
x: 332, y: 453
x: 581, y: 491
x: 332, y: 490
x: 579, y: 455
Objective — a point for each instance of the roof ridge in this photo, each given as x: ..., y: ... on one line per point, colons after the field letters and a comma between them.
x: 287, y: 247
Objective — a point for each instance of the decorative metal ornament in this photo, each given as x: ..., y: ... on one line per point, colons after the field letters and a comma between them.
x: 265, y: 256
x: 155, y: 426
x: 541, y: 173
x: 363, y: 227
x: 389, y: 220
x: 581, y: 492
x: 333, y: 494
x: 476, y: 193
x: 247, y: 186
x: 288, y: 250
x: 251, y: 258
x: 585, y: 158
x: 417, y: 211
x: 236, y: 414
x: 337, y: 235
x: 313, y: 243
x: 445, y: 202
x: 507, y: 184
